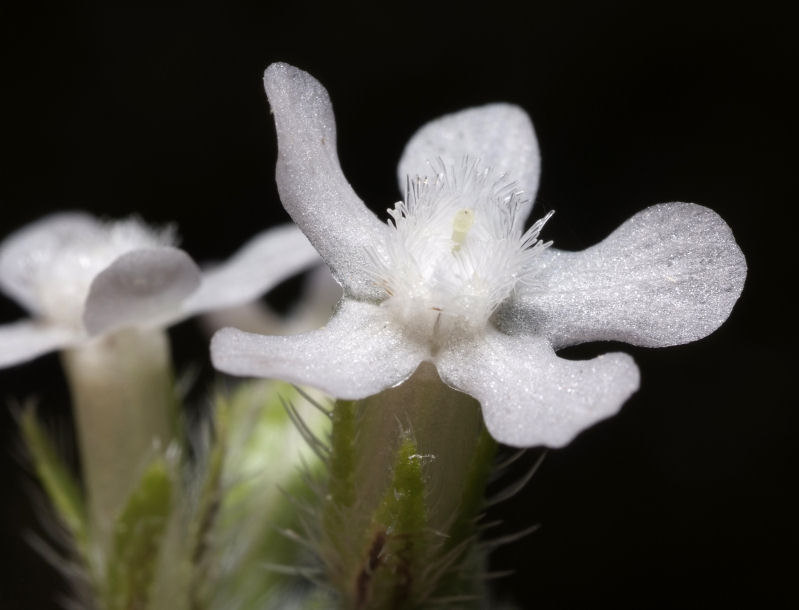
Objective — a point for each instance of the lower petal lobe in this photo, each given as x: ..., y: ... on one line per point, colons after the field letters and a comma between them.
x: 529, y: 395
x: 357, y: 354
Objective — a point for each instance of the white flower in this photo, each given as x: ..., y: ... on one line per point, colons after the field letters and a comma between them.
x: 318, y: 296
x: 81, y: 278
x: 456, y: 281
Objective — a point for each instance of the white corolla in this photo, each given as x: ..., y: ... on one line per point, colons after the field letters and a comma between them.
x: 81, y: 278
x: 455, y: 279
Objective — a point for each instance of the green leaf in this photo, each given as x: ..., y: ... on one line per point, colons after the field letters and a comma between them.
x: 205, y: 515
x: 403, y: 507
x: 399, y: 542
x: 56, y: 478
x: 137, y: 539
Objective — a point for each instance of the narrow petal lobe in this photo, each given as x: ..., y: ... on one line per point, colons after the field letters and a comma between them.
x: 312, y: 187
x: 500, y: 136
x: 532, y: 397
x: 26, y: 340
x: 356, y: 355
x: 262, y: 263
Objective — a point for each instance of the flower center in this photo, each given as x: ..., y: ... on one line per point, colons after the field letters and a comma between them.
x: 456, y: 251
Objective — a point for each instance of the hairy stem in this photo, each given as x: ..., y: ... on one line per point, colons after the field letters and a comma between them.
x: 408, y: 468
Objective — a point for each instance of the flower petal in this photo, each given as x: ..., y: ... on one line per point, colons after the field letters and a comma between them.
x: 26, y: 340
x: 263, y: 262
x: 669, y: 275
x: 501, y: 136
x: 24, y: 253
x: 141, y: 287
x: 319, y: 296
x: 312, y: 187
x: 356, y: 355
x: 530, y: 396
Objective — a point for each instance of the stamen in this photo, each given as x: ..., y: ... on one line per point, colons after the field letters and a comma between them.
x: 461, y: 223
x: 456, y: 250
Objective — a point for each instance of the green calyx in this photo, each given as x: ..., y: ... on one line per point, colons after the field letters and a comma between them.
x: 137, y: 539
x: 407, y: 472
x: 196, y: 532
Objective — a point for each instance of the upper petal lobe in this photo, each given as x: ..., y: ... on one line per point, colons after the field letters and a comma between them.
x: 312, y: 186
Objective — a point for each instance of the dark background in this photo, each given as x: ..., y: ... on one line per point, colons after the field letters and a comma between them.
x: 684, y: 500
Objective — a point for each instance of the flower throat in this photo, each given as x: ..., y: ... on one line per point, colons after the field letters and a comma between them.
x: 456, y: 249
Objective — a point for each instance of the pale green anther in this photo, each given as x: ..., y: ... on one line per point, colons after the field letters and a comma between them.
x: 461, y: 224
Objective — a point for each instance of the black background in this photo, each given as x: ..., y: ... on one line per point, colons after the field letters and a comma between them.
x: 684, y: 500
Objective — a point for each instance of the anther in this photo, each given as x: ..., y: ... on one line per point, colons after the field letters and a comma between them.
x: 461, y: 223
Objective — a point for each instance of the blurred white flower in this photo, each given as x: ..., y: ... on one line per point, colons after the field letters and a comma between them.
x: 81, y: 278
x: 456, y: 281
x: 318, y: 297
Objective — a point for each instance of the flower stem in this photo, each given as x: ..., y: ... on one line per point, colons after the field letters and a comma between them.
x: 125, y: 411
